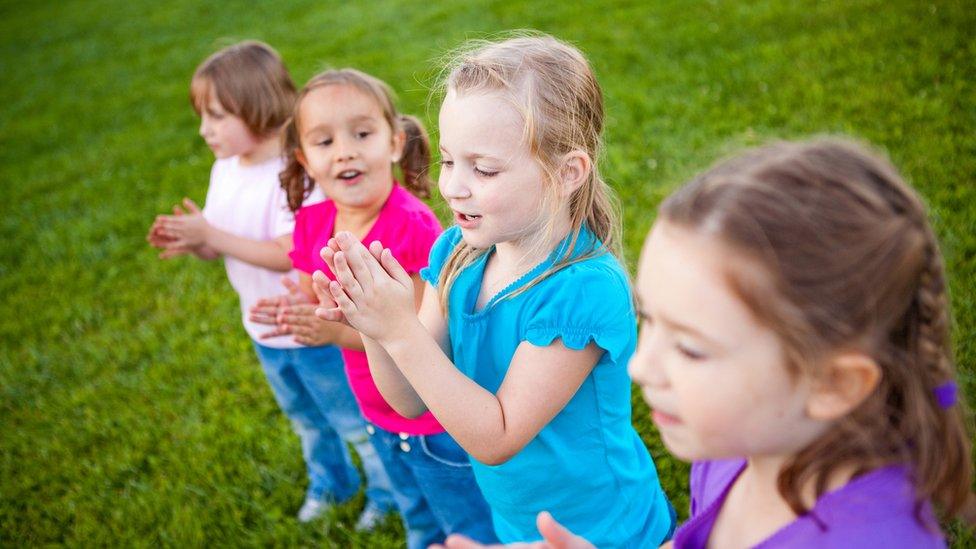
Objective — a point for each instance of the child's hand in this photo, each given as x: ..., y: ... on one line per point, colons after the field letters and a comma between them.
x: 186, y: 229
x: 555, y: 536
x: 308, y: 329
x: 156, y: 236
x: 376, y: 296
x: 327, y: 308
x: 267, y: 309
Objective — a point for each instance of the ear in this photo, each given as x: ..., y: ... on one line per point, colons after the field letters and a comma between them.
x: 573, y: 171
x: 300, y: 157
x: 399, y: 142
x: 849, y: 378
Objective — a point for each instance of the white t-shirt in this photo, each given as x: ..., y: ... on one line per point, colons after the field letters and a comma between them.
x: 248, y: 201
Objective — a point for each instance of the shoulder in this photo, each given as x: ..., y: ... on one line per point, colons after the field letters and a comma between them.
x: 220, y: 171
x: 708, y: 480
x: 439, y: 252
x: 879, y: 508
x: 314, y: 215
x: 406, y: 209
x: 595, y: 288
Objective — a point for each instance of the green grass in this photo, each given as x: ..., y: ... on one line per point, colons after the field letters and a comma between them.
x: 132, y: 409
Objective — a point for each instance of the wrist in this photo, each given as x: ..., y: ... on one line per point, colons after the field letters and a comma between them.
x: 207, y: 234
x: 399, y: 340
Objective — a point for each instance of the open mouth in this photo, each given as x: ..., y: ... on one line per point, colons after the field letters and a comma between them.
x: 467, y: 217
x: 349, y: 175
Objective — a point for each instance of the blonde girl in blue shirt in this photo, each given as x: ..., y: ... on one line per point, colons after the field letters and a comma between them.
x: 526, y: 326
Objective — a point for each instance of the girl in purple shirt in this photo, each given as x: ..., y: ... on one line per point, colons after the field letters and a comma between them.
x: 795, y: 347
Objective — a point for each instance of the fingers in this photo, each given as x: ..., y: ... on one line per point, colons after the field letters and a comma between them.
x: 327, y: 253
x: 177, y: 210
x: 290, y: 285
x: 332, y: 314
x: 458, y: 541
x: 394, y: 268
x: 173, y: 252
x: 344, y: 275
x: 298, y: 315
x: 376, y: 248
x: 557, y: 536
x: 346, y: 305
x: 191, y: 206
x: 357, y: 257
x: 277, y: 331
x: 320, y: 285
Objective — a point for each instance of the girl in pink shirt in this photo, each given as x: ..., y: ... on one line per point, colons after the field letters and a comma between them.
x: 244, y: 97
x: 345, y: 137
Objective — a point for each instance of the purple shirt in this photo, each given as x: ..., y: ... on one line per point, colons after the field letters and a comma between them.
x: 876, y: 509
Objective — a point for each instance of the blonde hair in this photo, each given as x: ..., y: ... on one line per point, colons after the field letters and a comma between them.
x: 250, y: 81
x: 551, y: 85
x: 414, y: 163
x: 851, y: 262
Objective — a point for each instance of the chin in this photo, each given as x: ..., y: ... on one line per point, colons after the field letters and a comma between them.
x: 474, y: 240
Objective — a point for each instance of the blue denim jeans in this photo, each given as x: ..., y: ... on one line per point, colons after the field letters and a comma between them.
x: 310, y: 385
x: 434, y: 487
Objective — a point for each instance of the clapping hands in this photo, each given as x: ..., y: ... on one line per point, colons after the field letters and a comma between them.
x: 372, y: 292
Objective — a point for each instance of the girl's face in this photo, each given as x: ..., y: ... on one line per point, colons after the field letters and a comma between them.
x: 716, y: 379
x: 488, y: 175
x: 226, y: 134
x: 347, y: 146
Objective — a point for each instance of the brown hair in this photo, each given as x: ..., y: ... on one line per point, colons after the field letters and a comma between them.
x: 853, y: 264
x: 250, y: 81
x: 414, y: 162
x: 552, y: 86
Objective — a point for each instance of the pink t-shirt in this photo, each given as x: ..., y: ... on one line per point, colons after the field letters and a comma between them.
x: 408, y: 228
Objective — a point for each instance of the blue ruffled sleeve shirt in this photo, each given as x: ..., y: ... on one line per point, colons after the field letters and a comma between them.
x: 588, y: 466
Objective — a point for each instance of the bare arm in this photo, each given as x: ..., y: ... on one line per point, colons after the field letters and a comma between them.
x: 391, y: 382
x: 539, y: 382
x: 190, y: 230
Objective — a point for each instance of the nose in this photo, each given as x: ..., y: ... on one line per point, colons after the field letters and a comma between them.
x: 344, y: 149
x: 204, y: 126
x: 646, y: 366
x: 452, y: 184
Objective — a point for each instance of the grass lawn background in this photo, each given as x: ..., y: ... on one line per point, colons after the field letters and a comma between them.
x: 132, y: 408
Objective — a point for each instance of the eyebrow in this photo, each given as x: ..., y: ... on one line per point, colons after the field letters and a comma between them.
x: 473, y: 156
x: 355, y: 120
x: 643, y: 315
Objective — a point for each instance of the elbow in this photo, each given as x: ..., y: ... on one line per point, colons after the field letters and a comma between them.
x: 410, y: 411
x: 494, y: 456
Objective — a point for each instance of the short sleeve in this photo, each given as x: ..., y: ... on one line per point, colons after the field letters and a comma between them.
x: 439, y: 253
x: 421, y: 232
x: 588, y: 301
x: 302, y: 239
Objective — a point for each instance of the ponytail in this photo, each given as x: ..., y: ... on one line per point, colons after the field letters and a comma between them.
x: 415, y: 161
x: 296, y: 183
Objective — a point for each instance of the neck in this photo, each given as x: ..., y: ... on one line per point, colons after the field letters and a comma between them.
x: 265, y: 150
x: 358, y: 219
x: 527, y: 252
x: 762, y: 473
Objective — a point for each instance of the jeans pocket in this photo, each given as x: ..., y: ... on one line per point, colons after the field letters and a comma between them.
x: 443, y: 449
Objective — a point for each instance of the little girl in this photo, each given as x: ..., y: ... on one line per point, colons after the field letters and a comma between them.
x: 527, y: 321
x: 795, y: 346
x: 346, y: 137
x: 244, y: 96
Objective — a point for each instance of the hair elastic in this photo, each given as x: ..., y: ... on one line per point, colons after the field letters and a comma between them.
x: 946, y: 394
